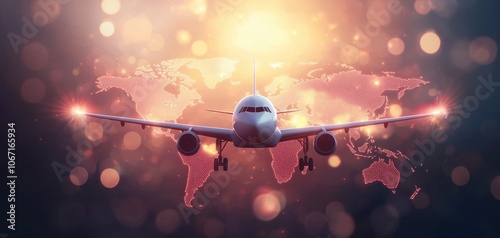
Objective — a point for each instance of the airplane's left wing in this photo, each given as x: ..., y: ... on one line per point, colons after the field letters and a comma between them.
x: 297, y: 133
x: 214, y: 132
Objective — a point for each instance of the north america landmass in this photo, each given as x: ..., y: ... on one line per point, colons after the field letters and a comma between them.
x: 163, y: 91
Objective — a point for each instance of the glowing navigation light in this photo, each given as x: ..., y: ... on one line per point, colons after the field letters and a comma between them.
x: 77, y: 111
x: 440, y: 111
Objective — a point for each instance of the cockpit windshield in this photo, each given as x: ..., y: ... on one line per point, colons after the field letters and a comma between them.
x: 255, y: 109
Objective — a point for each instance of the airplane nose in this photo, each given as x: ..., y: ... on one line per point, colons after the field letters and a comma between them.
x: 251, y: 132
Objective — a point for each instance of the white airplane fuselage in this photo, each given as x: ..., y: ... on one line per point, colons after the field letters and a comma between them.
x: 255, y: 123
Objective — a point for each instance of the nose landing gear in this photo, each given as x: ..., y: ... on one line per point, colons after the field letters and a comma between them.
x: 219, y: 161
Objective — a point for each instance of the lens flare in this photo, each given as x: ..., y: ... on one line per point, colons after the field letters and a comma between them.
x: 110, y: 178
x: 430, y: 42
x: 440, y: 111
x: 210, y: 148
x: 334, y: 161
x: 110, y: 7
x: 107, y: 28
x: 77, y: 110
x: 266, y: 206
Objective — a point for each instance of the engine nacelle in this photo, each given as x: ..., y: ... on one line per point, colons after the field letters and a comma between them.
x: 325, y: 143
x: 188, y: 143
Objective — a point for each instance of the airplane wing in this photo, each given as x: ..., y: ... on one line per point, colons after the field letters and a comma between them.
x: 214, y: 132
x: 219, y: 111
x: 297, y: 133
x: 288, y: 111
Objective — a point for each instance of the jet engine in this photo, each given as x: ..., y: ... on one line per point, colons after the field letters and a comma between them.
x: 325, y: 143
x: 188, y: 143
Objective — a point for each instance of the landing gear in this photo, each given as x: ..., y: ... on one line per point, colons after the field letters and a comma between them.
x: 219, y: 161
x: 306, y: 161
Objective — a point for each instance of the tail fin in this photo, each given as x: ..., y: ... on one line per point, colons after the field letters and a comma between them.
x: 254, y: 79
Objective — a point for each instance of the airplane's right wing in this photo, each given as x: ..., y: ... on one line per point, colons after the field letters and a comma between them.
x: 297, y: 133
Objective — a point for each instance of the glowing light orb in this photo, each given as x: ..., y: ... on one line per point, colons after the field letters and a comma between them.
x: 107, y: 28
x: 168, y: 221
x: 266, y: 206
x: 395, y: 46
x: 483, y: 50
x: 334, y: 161
x: 137, y: 29
x: 77, y: 111
x: 110, y: 7
x: 423, y: 7
x: 199, y: 48
x: 131, y: 60
x: 198, y: 7
x: 432, y: 92
x: 210, y: 148
x: 33, y: 90
x: 495, y: 187
x: 363, y: 58
x: 261, y: 32
x: 35, y: 56
x: 78, y: 176
x: 430, y: 42
x: 132, y: 140
x: 183, y: 37
x: 299, y: 121
x: 460, y: 175
x: 93, y: 131
x: 110, y: 178
x: 156, y: 42
x: 395, y: 110
x: 341, y: 224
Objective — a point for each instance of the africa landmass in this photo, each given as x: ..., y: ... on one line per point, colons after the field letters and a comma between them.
x: 163, y: 91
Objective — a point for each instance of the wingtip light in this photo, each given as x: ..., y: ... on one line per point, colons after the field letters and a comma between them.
x: 441, y: 111
x: 78, y: 111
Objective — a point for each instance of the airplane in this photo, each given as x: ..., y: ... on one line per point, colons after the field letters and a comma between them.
x: 255, y: 125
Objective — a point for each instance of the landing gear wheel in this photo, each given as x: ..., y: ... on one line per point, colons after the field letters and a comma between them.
x: 310, y: 164
x: 301, y: 164
x: 306, y: 161
x: 219, y: 161
x: 216, y: 164
x: 224, y: 164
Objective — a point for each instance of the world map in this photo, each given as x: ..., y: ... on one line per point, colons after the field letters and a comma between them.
x: 162, y: 92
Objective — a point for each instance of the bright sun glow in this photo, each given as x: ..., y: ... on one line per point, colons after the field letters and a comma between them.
x: 210, y: 148
x: 439, y: 111
x: 78, y: 111
x: 260, y: 32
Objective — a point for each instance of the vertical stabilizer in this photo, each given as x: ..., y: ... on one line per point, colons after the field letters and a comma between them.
x: 254, y: 80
